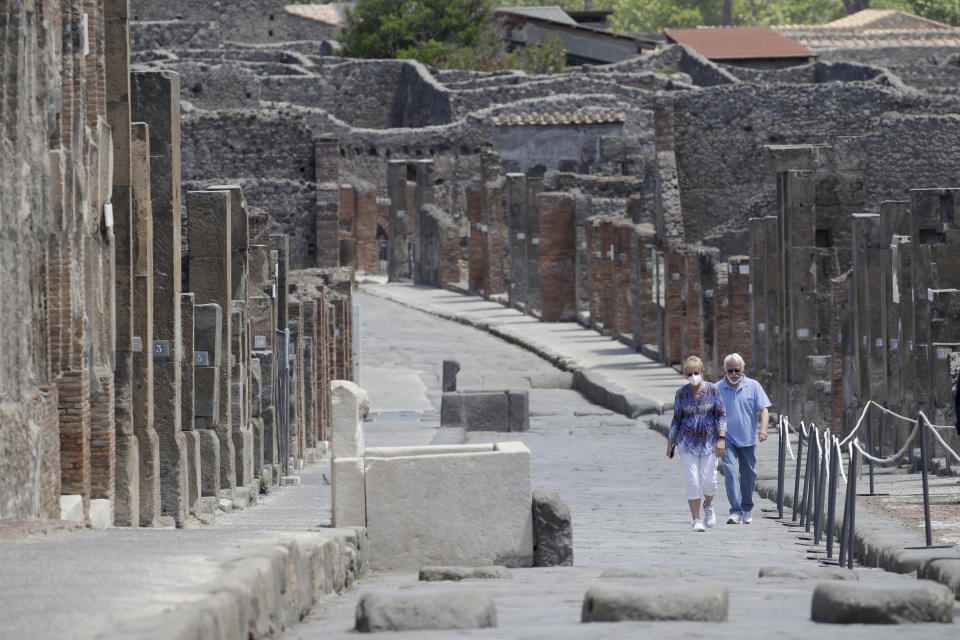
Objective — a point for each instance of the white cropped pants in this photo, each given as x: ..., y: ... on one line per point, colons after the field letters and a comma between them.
x: 699, y: 474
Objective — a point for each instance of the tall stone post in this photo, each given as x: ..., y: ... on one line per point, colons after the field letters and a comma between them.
x: 239, y: 388
x: 401, y: 221
x: 155, y: 100
x: 209, y: 362
x: 187, y: 408
x: 117, y: 63
x: 209, y: 237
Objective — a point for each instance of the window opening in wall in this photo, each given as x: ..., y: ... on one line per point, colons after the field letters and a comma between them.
x: 823, y: 239
x: 383, y: 250
x: 932, y: 236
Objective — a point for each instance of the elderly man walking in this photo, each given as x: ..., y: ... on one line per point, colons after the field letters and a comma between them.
x: 744, y: 399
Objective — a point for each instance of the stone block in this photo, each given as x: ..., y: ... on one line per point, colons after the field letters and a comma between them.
x: 346, y: 437
x: 192, y: 441
x: 679, y: 602
x: 347, y: 488
x: 475, y: 410
x: 71, y: 508
x: 101, y: 513
x: 809, y: 573
x: 209, y: 462
x: 469, y: 505
x: 450, y: 370
x: 126, y: 510
x: 552, y: 531
x: 518, y: 406
x: 899, y: 603
x: 456, y: 574
x: 206, y: 397
x: 207, y: 331
x: 425, y: 611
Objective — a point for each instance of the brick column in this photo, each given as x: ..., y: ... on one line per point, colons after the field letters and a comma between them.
x: 327, y: 220
x: 557, y: 256
x: 477, y: 269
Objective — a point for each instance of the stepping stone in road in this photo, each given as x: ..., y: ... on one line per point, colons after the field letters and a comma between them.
x: 433, y: 574
x: 904, y: 602
x: 652, y: 572
x: 676, y: 601
x: 421, y: 611
x: 809, y: 573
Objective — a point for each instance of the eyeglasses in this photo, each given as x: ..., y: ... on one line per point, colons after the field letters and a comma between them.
x: 733, y: 370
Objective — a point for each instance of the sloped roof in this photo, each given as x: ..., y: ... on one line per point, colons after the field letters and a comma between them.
x: 552, y: 13
x: 326, y: 13
x: 885, y: 19
x: 874, y: 28
x: 556, y: 118
x: 738, y: 43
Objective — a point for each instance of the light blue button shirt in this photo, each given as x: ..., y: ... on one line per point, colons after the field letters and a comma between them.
x: 742, y: 405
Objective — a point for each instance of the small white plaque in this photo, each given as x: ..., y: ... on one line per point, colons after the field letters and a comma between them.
x: 534, y: 240
x: 894, y: 344
x: 201, y: 359
x: 161, y: 348
x: 879, y: 343
x: 761, y: 326
x: 259, y: 342
x: 675, y: 276
x: 803, y: 334
x: 943, y: 354
x: 401, y: 213
x: 521, y: 236
x: 744, y: 269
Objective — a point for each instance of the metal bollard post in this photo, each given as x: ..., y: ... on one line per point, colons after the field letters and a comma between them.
x: 821, y: 490
x: 926, y: 486
x: 851, y: 530
x: 832, y: 501
x: 781, y: 466
x: 870, y: 445
x: 814, y: 464
x: 796, y: 475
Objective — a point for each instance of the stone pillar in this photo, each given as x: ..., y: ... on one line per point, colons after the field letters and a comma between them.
x: 310, y: 372
x: 476, y: 243
x: 327, y: 222
x: 557, y: 256
x: 398, y: 266
x: 260, y: 311
x: 515, y: 197
x: 450, y: 370
x: 117, y: 61
x: 239, y: 239
x: 239, y: 388
x: 187, y: 409
x: 156, y: 101
x: 209, y: 236
x: 209, y: 359
x: 534, y: 278
x: 645, y: 303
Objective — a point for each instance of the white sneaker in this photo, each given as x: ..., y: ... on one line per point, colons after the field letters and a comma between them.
x: 747, y: 517
x: 734, y: 518
x: 709, y: 517
x: 696, y: 525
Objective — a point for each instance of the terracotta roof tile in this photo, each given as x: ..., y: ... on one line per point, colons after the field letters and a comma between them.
x: 558, y: 119
x: 739, y: 43
x: 885, y: 19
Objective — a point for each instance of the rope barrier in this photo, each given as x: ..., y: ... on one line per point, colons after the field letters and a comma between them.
x: 836, y: 445
x: 933, y: 430
x: 786, y: 434
x: 863, y: 414
x: 890, y: 459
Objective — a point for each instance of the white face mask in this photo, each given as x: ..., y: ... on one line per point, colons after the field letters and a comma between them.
x: 695, y: 379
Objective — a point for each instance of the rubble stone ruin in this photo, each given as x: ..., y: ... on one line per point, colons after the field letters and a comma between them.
x: 200, y: 183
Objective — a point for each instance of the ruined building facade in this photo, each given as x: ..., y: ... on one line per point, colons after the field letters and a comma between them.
x: 155, y: 363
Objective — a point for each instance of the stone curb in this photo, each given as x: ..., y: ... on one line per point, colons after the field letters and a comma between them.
x: 878, y: 541
x: 262, y: 592
x: 591, y: 384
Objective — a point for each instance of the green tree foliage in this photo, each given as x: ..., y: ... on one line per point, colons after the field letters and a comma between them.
x: 380, y: 28
x: 947, y: 11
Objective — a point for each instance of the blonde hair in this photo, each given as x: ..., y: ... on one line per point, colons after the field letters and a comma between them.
x: 693, y: 362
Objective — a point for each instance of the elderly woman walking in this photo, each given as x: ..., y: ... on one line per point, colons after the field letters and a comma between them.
x: 699, y: 430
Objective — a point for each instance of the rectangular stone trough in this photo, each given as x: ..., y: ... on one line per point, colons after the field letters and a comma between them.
x: 466, y: 505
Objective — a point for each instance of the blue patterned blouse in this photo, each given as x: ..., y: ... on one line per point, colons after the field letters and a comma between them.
x: 696, y: 422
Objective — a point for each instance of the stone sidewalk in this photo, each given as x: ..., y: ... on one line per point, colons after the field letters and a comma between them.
x: 893, y: 517
x: 626, y: 498
x: 258, y: 569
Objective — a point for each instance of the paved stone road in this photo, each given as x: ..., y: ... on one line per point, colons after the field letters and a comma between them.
x: 626, y: 499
